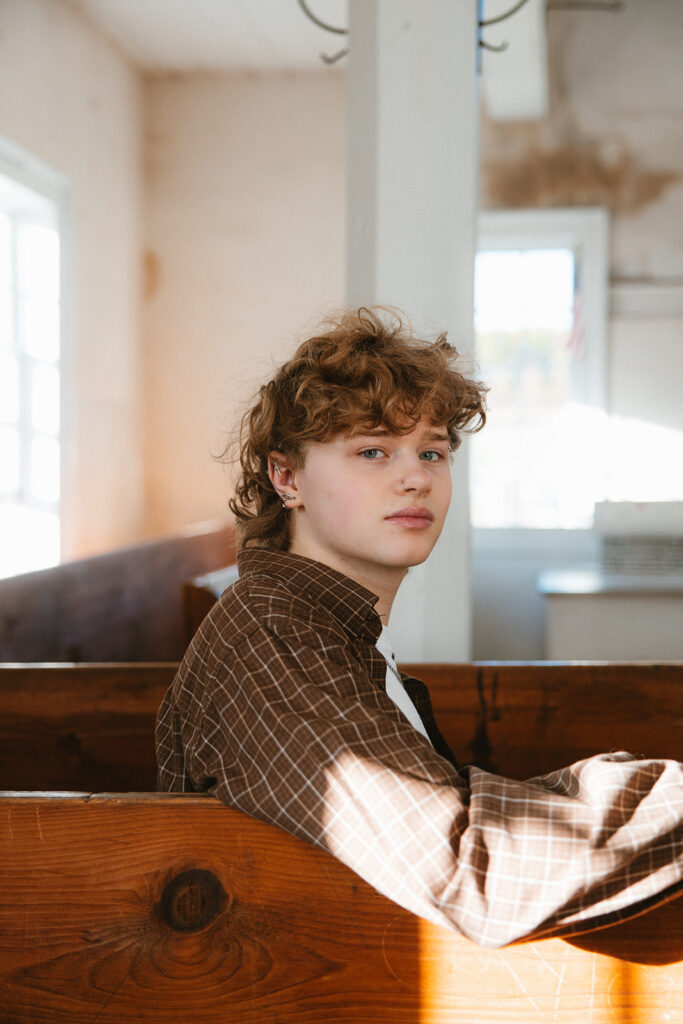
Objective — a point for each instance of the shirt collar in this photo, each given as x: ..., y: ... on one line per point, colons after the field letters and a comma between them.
x: 351, y: 604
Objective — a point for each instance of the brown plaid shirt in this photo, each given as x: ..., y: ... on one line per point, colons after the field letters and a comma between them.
x: 279, y: 709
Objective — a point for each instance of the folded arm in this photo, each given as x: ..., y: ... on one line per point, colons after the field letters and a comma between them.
x: 494, y: 858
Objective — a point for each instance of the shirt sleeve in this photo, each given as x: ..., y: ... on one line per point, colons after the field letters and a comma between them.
x: 279, y: 732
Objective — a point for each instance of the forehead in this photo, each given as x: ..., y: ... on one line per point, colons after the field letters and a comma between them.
x: 425, y: 428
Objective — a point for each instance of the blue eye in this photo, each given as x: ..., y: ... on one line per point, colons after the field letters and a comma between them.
x: 431, y: 456
x: 370, y: 453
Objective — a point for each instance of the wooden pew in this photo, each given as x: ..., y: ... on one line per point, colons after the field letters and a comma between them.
x: 143, y: 907
x: 82, y: 727
x: 90, y: 727
x: 160, y: 909
x: 124, y: 605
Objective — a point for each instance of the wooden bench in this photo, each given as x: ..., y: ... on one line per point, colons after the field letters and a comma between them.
x: 124, y: 605
x: 119, y: 907
x: 90, y: 727
x: 150, y: 908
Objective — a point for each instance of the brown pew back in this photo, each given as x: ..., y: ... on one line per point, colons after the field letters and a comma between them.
x: 163, y: 909
x: 90, y: 727
x: 124, y: 605
x: 82, y: 727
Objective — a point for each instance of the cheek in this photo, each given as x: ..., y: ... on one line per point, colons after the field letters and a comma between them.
x: 331, y: 501
x: 444, y: 490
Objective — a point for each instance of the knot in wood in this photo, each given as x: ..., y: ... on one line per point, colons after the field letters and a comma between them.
x: 192, y: 900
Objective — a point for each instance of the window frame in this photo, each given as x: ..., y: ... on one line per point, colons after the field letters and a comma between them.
x: 584, y: 230
x: 26, y: 170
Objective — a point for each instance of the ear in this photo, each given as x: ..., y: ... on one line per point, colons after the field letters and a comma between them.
x: 282, y: 475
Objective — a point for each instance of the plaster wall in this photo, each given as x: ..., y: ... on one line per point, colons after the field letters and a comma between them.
x: 245, y: 222
x: 72, y: 101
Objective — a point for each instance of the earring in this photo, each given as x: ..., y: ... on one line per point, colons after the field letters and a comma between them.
x: 276, y: 467
x: 285, y: 499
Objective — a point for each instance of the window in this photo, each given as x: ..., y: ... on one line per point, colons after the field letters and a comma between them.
x: 30, y: 318
x: 540, y: 297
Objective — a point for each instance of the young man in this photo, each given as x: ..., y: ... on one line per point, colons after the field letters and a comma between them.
x: 289, y: 705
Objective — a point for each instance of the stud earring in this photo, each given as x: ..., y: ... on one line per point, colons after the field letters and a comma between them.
x: 285, y: 499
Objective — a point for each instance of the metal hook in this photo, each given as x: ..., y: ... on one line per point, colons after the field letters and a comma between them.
x: 503, y: 17
x: 494, y: 21
x: 492, y: 48
x: 327, y: 59
x: 321, y: 24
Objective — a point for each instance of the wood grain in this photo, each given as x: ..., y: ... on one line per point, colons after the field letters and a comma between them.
x: 82, y: 727
x: 91, y: 727
x: 527, y: 718
x: 175, y: 909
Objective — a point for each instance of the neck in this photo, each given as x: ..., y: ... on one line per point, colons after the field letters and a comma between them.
x: 386, y: 591
x: 384, y: 582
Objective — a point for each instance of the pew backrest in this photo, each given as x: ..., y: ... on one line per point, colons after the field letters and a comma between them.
x: 148, y: 908
x: 82, y: 727
x: 124, y: 605
x: 91, y: 727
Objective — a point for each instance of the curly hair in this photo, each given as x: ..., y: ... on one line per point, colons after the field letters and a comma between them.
x: 368, y: 369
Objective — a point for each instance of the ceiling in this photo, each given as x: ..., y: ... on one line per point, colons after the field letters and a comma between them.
x: 165, y: 36
x: 219, y: 35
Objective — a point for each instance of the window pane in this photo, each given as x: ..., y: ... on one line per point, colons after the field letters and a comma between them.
x: 9, y: 388
x: 5, y: 250
x: 38, y: 282
x: 524, y: 290
x: 39, y: 327
x: 45, y: 469
x: 5, y: 283
x: 38, y: 262
x: 534, y: 464
x: 35, y: 538
x: 6, y: 342
x: 9, y: 460
x: 45, y: 399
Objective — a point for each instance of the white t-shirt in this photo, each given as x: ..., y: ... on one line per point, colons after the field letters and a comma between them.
x: 395, y: 688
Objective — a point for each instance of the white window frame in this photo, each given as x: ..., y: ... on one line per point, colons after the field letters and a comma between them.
x: 585, y: 231
x: 25, y: 169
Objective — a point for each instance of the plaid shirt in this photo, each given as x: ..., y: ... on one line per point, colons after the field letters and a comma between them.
x: 279, y: 709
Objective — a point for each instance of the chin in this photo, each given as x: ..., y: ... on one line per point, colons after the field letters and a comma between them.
x: 411, y: 558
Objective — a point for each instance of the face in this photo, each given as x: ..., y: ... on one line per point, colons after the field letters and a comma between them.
x: 370, y: 505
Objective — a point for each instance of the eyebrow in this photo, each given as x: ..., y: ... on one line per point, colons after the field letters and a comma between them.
x: 431, y: 435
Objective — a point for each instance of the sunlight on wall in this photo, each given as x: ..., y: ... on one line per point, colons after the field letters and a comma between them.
x: 644, y: 461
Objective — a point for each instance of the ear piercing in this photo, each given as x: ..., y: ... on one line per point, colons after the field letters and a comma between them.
x: 285, y: 497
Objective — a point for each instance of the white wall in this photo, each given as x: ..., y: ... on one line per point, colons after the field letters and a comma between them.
x: 73, y: 102
x: 244, y: 198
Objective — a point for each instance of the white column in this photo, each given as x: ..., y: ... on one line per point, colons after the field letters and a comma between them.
x: 412, y: 174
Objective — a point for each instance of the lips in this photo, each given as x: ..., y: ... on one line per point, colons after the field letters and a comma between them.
x: 414, y: 517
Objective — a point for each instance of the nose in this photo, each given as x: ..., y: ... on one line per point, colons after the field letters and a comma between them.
x: 414, y: 476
